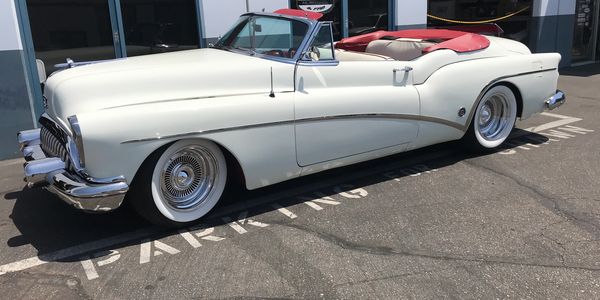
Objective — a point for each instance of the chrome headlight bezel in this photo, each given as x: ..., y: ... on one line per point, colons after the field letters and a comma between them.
x: 79, y: 155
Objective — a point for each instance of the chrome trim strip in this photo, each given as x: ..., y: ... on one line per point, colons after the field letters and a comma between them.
x: 307, y: 120
x: 193, y: 98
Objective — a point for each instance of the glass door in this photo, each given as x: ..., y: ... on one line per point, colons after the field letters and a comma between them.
x: 366, y: 16
x: 76, y: 29
x: 157, y: 26
x: 585, y: 37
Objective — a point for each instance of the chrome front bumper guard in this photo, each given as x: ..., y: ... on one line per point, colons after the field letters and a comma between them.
x: 77, y: 189
x: 556, y: 100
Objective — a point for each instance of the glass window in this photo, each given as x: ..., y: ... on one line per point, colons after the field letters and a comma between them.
x: 586, y: 19
x: 322, y: 46
x: 265, y: 35
x: 157, y: 26
x: 513, y: 16
x: 333, y: 12
x: 366, y: 16
x: 76, y: 29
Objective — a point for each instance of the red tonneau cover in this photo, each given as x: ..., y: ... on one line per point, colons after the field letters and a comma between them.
x: 457, y: 41
x: 299, y: 13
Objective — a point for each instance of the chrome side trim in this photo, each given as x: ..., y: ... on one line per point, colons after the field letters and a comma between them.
x: 193, y: 98
x: 459, y: 126
x: 307, y: 120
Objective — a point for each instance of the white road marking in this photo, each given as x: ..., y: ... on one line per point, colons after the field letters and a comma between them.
x: 233, y: 224
x: 146, y: 249
x: 73, y: 251
x: 564, y: 120
x: 112, y: 257
x: 352, y: 194
x: 575, y: 129
x: 241, y: 220
x: 164, y: 247
x: 190, y: 239
x: 313, y: 205
x: 88, y: 267
x: 558, y: 134
x: 284, y: 211
x: 207, y: 233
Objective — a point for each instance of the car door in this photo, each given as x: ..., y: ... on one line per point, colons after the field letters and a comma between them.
x: 346, y: 108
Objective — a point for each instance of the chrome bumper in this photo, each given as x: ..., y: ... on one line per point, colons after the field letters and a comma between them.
x: 556, y: 100
x: 81, y: 191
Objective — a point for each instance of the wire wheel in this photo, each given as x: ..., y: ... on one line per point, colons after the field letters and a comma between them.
x: 188, y: 177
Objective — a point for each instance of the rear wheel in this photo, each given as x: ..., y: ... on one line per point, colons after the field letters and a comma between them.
x: 494, y: 119
x: 180, y: 184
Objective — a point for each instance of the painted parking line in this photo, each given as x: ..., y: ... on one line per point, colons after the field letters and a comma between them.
x: 151, y: 248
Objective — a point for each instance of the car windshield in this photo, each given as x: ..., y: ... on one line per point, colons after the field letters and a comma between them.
x: 266, y: 35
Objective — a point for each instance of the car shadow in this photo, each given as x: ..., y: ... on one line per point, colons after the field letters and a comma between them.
x: 49, y: 225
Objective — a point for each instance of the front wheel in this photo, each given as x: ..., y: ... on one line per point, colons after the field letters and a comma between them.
x: 494, y: 119
x: 180, y: 184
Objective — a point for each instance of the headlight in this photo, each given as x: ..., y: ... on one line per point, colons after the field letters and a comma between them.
x: 78, y: 140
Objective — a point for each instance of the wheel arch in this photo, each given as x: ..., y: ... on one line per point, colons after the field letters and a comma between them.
x: 235, y: 172
x: 516, y: 91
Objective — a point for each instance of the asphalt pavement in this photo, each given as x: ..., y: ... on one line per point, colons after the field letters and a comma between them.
x: 523, y: 222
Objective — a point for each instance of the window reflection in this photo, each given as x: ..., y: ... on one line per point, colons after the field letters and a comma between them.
x: 156, y: 26
x: 367, y: 16
x: 76, y: 29
x: 515, y: 16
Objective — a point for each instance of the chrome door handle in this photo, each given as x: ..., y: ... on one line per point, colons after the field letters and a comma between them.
x: 405, y: 69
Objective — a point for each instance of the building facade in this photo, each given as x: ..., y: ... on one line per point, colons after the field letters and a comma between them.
x: 87, y: 30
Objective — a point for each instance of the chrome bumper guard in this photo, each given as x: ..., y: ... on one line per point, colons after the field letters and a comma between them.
x: 556, y: 100
x: 82, y: 192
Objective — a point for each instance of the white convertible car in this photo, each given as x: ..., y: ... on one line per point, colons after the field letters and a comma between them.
x: 274, y: 99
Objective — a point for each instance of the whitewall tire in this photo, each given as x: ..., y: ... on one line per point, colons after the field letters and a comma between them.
x: 183, y: 182
x: 493, y: 120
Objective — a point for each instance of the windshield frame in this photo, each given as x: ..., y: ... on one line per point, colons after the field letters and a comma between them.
x: 312, y: 26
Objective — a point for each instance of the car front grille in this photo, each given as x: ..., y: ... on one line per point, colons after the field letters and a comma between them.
x: 53, y: 140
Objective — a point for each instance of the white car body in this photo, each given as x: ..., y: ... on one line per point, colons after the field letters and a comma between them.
x: 283, y: 120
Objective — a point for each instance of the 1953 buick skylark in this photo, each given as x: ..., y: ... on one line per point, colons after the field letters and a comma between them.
x: 274, y: 99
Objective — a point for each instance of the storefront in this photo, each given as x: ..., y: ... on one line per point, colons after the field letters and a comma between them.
x: 89, y: 30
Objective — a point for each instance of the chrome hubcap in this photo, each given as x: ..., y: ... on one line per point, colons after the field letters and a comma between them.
x: 188, y: 177
x: 493, y: 117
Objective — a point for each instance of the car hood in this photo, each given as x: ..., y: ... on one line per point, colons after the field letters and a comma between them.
x: 184, y: 75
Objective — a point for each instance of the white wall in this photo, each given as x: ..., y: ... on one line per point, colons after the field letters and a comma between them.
x: 10, y: 37
x: 542, y: 8
x: 411, y: 12
x: 217, y: 17
x: 268, y: 5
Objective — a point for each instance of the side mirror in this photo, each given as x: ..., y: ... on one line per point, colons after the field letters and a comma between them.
x: 312, y: 54
x: 41, y: 70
